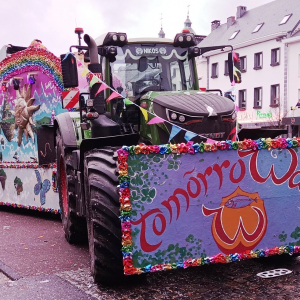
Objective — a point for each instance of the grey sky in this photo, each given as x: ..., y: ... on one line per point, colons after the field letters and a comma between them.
x: 54, y: 21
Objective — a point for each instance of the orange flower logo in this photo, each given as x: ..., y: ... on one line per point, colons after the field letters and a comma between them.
x: 240, y: 222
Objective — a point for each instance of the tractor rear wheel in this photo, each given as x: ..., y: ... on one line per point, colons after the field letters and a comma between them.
x: 73, y: 225
x: 104, y: 226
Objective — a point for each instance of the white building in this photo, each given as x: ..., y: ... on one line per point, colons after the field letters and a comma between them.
x: 263, y: 38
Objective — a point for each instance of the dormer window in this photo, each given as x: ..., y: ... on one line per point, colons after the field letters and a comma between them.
x: 258, y: 27
x: 234, y: 35
x: 285, y: 19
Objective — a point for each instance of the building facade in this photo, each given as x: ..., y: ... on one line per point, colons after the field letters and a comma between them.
x: 263, y: 39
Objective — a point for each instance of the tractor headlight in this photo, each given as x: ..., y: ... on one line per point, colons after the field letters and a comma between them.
x: 115, y: 39
x: 180, y: 39
x: 188, y: 38
x: 173, y: 116
x: 181, y: 118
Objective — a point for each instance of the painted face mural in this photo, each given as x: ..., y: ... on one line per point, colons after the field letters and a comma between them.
x: 233, y: 228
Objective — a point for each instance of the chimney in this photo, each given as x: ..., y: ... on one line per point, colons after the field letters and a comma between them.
x: 240, y: 11
x: 215, y: 24
x: 230, y: 21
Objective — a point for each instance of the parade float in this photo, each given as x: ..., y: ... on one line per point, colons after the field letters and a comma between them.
x: 30, y: 97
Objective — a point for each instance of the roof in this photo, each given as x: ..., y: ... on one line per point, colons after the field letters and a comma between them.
x: 150, y: 40
x: 271, y: 14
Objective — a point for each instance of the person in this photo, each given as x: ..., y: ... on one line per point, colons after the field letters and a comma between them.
x: 298, y: 104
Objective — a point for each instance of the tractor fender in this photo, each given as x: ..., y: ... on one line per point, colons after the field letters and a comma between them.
x: 64, y: 123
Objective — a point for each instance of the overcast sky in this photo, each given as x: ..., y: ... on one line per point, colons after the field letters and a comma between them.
x: 54, y: 21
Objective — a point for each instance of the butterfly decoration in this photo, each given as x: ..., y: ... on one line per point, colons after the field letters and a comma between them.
x: 42, y: 187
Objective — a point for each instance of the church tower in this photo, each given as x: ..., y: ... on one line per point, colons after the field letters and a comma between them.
x: 188, y: 23
x: 161, y: 34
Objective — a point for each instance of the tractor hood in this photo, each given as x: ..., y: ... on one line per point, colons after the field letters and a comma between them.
x: 194, y: 103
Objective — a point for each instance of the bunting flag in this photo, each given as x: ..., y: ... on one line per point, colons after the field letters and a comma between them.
x: 79, y: 64
x: 84, y: 72
x: 94, y: 80
x: 237, y: 108
x: 189, y: 135
x: 145, y: 113
x: 112, y: 96
x: 174, y: 131
x: 127, y: 101
x: 156, y: 120
x: 102, y: 87
x: 210, y: 141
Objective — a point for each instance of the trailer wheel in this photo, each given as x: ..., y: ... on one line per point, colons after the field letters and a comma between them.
x: 104, y: 226
x: 73, y: 225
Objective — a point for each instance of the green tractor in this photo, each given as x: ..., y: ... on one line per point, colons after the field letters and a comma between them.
x: 156, y: 74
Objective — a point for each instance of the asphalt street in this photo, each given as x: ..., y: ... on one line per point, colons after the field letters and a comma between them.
x: 37, y: 263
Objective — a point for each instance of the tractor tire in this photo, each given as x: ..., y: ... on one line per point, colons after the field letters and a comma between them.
x: 104, y: 225
x: 73, y: 225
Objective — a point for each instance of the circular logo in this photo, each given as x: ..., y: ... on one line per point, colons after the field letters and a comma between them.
x: 162, y: 51
x: 139, y: 51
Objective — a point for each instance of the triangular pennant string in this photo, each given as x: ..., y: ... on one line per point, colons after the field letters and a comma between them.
x: 174, y: 131
x: 102, y: 87
x: 112, y: 96
x: 156, y: 120
x: 189, y: 135
x: 145, y: 113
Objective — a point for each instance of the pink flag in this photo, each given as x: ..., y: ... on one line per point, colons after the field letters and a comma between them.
x: 210, y: 141
x: 155, y: 120
x: 112, y: 96
x: 237, y: 108
x: 79, y: 63
x: 102, y: 87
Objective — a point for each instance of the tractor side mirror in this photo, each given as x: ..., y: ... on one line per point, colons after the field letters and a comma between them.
x: 234, y: 67
x: 143, y: 64
x: 69, y: 70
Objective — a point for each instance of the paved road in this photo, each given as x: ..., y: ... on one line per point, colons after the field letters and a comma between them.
x: 33, y: 248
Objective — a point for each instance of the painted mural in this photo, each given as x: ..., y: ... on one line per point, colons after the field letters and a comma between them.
x: 30, y: 97
x: 180, y: 210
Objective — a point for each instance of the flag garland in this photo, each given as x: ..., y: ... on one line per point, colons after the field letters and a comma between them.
x: 92, y: 79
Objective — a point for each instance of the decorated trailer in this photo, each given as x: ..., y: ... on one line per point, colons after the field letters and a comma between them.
x: 150, y: 170
x: 30, y: 97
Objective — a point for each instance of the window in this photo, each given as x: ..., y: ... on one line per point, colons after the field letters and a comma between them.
x: 243, y: 61
x: 258, y: 27
x: 257, y: 97
x: 214, y: 70
x: 226, y: 69
x: 275, y: 57
x: 258, y: 61
x: 234, y: 35
x: 274, y: 95
x: 285, y: 19
x: 242, y: 99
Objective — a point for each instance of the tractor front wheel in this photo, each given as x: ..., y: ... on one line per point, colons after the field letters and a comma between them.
x: 104, y: 226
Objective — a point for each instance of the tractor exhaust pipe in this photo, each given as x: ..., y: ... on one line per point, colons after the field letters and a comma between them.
x: 92, y: 49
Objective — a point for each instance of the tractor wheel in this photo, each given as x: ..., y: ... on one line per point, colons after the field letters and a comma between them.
x: 104, y: 226
x: 73, y: 225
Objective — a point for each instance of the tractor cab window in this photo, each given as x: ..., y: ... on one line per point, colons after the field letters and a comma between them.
x: 141, y: 68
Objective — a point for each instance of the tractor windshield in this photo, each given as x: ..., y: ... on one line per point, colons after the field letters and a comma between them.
x: 140, y: 68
